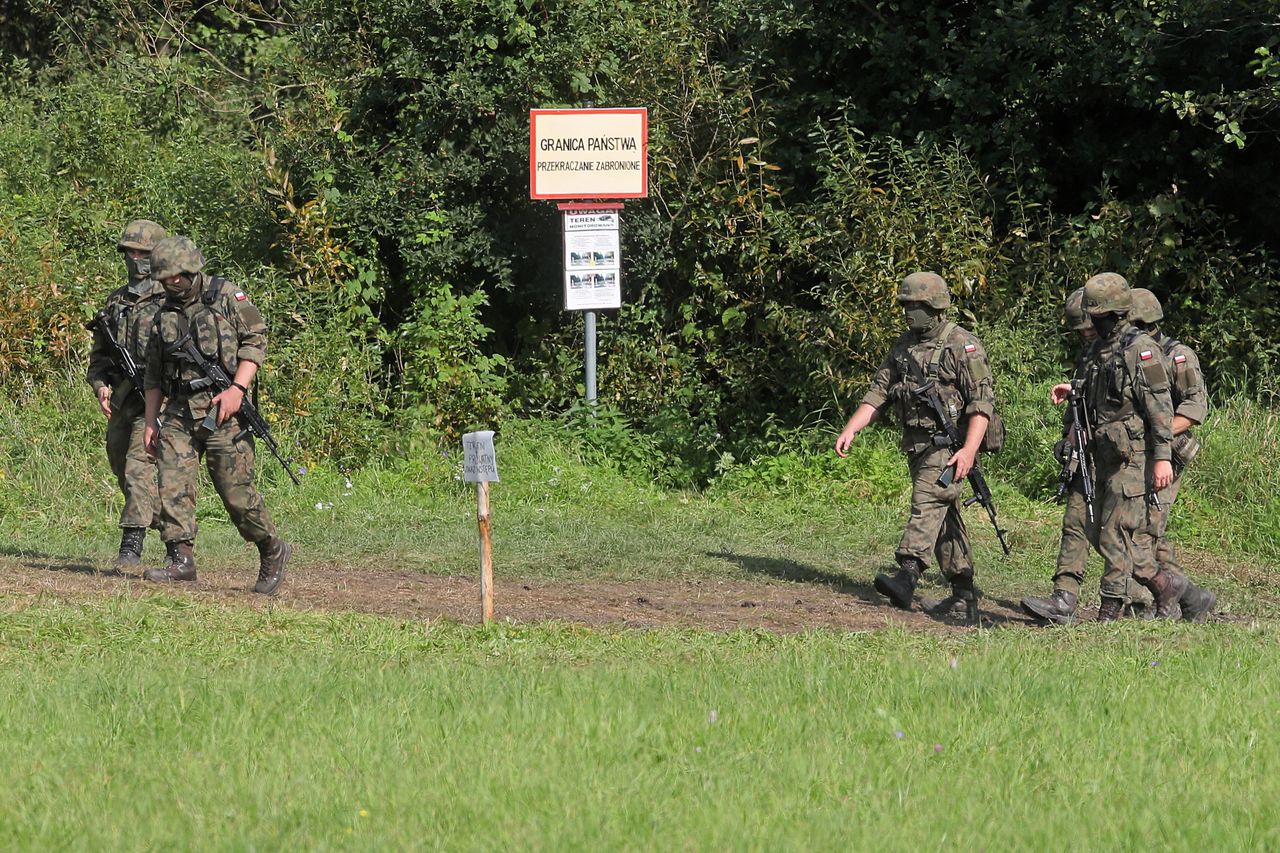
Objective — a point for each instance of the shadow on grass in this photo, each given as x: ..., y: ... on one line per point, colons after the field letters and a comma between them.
x: 790, y: 570
x: 50, y: 562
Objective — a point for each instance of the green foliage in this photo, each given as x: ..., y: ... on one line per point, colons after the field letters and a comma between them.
x: 362, y: 168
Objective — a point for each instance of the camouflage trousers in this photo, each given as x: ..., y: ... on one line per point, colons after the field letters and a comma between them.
x: 230, y: 464
x: 1124, y: 532
x: 1074, y: 543
x: 936, y: 525
x: 1166, y: 554
x: 133, y: 469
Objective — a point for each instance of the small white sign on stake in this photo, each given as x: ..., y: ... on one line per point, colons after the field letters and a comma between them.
x: 480, y: 466
x: 479, y: 462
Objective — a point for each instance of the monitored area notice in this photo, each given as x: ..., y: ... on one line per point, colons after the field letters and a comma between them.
x: 592, y: 261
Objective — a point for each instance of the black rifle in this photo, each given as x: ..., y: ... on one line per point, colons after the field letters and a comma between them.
x: 1079, y: 459
x: 101, y: 322
x: 950, y: 437
x: 253, y: 421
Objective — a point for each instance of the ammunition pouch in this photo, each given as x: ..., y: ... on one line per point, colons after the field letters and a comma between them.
x: 1184, y: 449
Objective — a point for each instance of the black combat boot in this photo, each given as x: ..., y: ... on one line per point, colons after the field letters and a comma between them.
x: 1059, y: 608
x: 962, y: 600
x: 181, y: 565
x: 130, y: 547
x: 1166, y: 589
x: 899, y: 587
x: 275, y: 554
x: 1196, y: 603
x: 1109, y: 610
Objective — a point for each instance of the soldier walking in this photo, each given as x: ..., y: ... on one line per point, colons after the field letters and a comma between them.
x: 1126, y: 391
x: 127, y: 319
x: 956, y: 362
x: 219, y: 320
x: 1190, y: 408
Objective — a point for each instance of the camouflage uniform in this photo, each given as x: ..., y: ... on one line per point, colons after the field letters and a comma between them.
x: 1074, y: 542
x: 129, y: 312
x: 955, y: 360
x: 1191, y: 401
x: 227, y: 328
x: 966, y: 388
x: 1126, y: 391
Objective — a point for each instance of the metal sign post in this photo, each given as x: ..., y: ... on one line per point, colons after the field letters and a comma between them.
x: 590, y: 154
x: 480, y: 466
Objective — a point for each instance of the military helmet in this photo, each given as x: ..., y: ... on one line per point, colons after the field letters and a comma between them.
x: 1146, y: 308
x: 1077, y: 319
x: 142, y: 234
x: 174, y: 256
x: 1107, y: 293
x: 927, y: 287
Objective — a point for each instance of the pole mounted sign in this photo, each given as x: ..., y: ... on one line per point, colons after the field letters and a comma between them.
x: 589, y: 154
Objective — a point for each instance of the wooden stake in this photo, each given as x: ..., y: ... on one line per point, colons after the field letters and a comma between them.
x: 486, y: 553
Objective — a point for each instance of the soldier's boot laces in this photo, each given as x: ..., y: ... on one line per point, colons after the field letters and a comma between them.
x: 1058, y: 608
x: 130, y: 547
x: 1167, y: 589
x: 1109, y: 610
x: 963, y: 601
x: 180, y: 565
x: 1197, y: 603
x: 900, y: 586
x: 275, y: 554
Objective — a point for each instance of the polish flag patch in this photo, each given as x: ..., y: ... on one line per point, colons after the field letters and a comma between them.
x: 1145, y: 355
x: 240, y: 297
x: 970, y: 347
x: 1179, y: 359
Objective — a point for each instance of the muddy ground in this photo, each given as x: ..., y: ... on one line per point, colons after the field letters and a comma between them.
x: 711, y: 603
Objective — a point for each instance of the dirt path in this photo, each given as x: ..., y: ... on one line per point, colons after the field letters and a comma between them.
x: 713, y: 604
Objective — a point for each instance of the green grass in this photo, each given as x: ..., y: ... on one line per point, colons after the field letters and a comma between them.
x: 159, y: 724
x: 560, y: 512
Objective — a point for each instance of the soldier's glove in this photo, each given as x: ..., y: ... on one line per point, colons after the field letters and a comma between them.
x: 1062, y: 451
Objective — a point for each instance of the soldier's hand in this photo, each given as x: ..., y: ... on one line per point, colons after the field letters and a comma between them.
x: 149, y: 435
x: 228, y: 403
x: 104, y: 400
x: 843, y: 441
x: 963, y: 460
x: 1060, y: 393
x: 1163, y: 474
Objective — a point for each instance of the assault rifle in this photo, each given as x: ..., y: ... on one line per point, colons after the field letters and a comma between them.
x: 101, y: 323
x: 1078, y: 459
x: 254, y: 423
x: 950, y: 437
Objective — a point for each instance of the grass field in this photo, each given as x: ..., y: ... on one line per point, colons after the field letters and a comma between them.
x: 160, y: 724
x: 175, y: 721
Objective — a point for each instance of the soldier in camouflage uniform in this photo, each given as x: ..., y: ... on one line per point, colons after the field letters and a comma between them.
x: 129, y: 313
x: 1126, y: 390
x: 935, y: 347
x: 1190, y: 408
x: 218, y: 318
x: 1073, y: 545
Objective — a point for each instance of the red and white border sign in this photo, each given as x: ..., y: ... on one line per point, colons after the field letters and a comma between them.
x: 589, y: 154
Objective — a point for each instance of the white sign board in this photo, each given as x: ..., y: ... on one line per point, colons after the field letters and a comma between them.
x: 589, y: 154
x: 592, y: 261
x: 479, y: 462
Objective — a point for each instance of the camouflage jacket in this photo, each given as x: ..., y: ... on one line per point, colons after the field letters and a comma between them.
x: 1127, y: 392
x: 226, y: 328
x: 131, y: 312
x: 964, y: 382
x: 1190, y: 397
